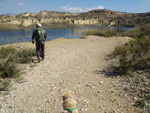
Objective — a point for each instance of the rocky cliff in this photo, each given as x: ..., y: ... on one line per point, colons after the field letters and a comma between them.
x: 47, y: 18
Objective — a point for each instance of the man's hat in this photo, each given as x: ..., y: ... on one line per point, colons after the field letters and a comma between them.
x: 38, y: 24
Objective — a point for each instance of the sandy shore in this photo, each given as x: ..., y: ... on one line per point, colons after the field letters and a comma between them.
x: 70, y: 65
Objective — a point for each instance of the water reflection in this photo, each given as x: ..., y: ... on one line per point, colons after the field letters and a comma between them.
x: 74, y: 32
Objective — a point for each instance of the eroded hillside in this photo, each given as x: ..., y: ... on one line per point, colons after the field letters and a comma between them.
x: 101, y: 17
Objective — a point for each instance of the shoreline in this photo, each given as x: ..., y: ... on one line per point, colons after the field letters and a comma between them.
x: 27, y: 43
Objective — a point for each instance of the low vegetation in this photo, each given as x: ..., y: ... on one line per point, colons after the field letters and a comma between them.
x: 134, y: 56
x: 102, y: 32
x: 24, y: 56
x: 10, y: 57
x: 8, y: 70
x: 133, y: 61
x: 142, y: 30
x: 5, y: 51
x: 4, y: 85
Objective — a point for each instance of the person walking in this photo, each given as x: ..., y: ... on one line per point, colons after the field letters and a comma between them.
x: 39, y: 35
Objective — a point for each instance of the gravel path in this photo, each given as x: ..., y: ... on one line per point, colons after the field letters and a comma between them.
x: 70, y: 65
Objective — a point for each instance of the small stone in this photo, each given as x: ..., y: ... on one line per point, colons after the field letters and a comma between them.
x: 101, y: 82
x: 86, y: 109
x: 112, y: 91
x: 93, y: 87
x: 99, y: 91
x: 135, y: 98
x: 82, y: 109
x: 78, y: 86
x: 146, y: 83
x: 56, y: 100
x: 88, y: 85
x: 39, y: 109
x: 48, y: 101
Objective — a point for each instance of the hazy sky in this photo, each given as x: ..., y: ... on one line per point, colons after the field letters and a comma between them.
x: 21, y: 6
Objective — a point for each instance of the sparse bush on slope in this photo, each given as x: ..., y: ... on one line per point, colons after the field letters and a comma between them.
x: 141, y: 30
x: 134, y: 56
x: 17, y: 56
x: 5, y: 51
x: 8, y: 70
x: 9, y: 57
x: 25, y: 55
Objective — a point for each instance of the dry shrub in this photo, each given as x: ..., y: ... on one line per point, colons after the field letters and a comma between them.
x: 134, y: 56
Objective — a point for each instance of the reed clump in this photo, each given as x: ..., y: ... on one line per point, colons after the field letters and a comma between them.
x: 102, y: 32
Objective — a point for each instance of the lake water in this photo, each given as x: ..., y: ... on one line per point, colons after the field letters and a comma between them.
x: 13, y: 36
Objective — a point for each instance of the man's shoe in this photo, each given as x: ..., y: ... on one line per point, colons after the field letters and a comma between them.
x: 39, y: 60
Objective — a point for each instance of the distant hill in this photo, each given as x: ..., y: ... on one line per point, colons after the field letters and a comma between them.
x: 98, y: 17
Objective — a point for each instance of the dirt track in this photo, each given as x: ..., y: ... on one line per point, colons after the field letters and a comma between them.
x: 70, y: 65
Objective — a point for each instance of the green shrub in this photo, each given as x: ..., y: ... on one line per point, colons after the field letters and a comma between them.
x: 104, y: 24
x: 8, y: 70
x: 141, y: 30
x: 110, y: 33
x: 24, y: 56
x: 5, y: 51
x: 126, y: 66
x: 147, y: 97
x: 102, y: 32
x: 4, y: 85
x: 140, y: 103
x: 17, y: 56
x: 8, y: 58
x: 93, y: 32
x: 133, y: 56
x: 125, y: 89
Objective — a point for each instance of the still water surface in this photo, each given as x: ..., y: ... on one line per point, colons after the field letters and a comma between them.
x: 14, y: 36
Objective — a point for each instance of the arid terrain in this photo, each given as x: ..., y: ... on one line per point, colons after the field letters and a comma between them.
x: 74, y: 65
x: 49, y: 19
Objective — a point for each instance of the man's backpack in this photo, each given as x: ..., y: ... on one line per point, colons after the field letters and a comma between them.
x: 41, y: 35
